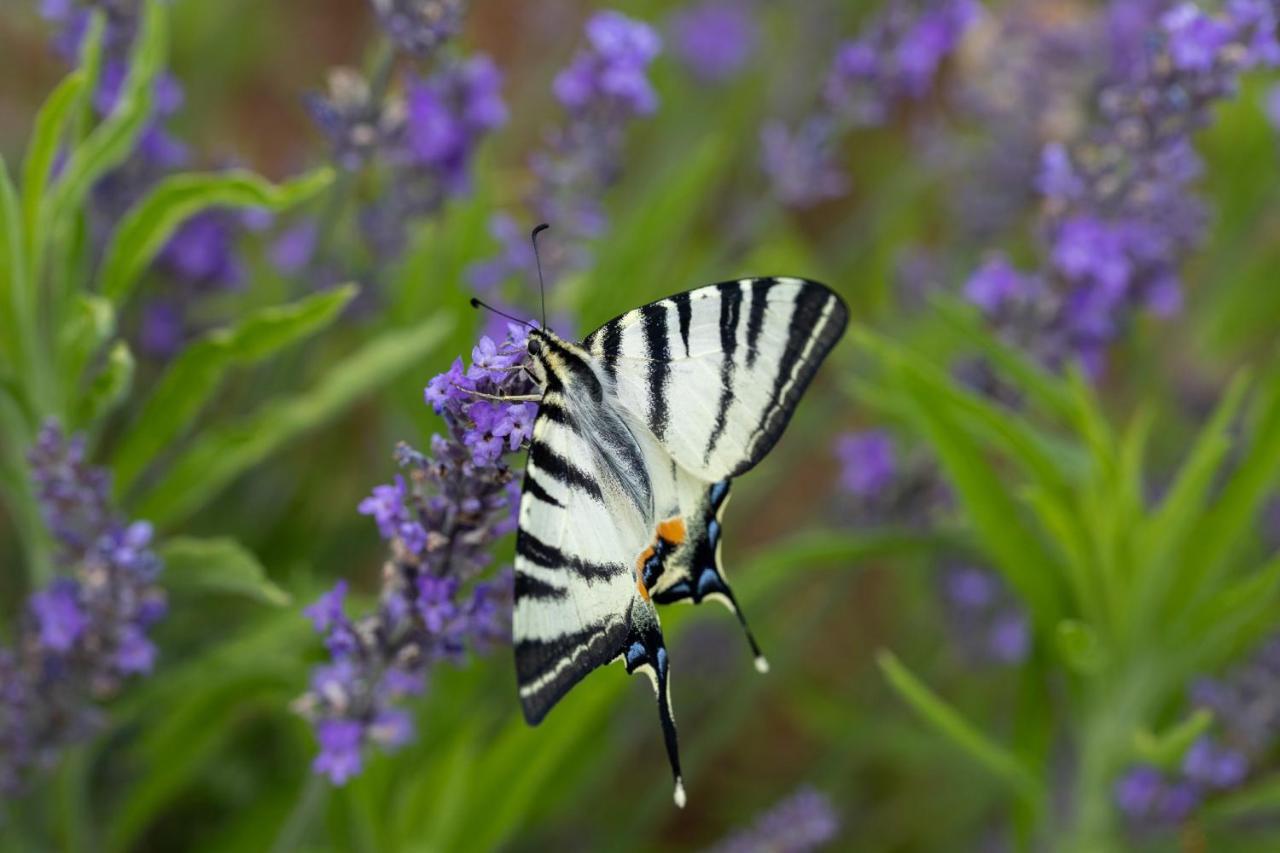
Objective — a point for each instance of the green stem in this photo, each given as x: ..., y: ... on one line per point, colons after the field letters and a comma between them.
x: 1106, y: 739
x: 312, y: 796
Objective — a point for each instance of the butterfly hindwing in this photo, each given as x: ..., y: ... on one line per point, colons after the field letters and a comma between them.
x: 588, y: 524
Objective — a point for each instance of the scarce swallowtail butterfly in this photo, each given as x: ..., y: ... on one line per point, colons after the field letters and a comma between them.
x: 640, y: 431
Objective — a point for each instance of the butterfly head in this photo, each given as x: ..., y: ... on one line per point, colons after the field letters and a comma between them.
x: 538, y: 348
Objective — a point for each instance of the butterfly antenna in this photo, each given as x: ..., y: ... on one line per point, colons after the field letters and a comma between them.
x: 477, y: 303
x: 537, y: 259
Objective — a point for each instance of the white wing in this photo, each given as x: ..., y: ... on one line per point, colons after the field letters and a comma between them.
x: 716, y: 372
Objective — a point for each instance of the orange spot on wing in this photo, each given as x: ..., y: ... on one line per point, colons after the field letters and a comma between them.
x: 672, y: 530
x: 644, y: 558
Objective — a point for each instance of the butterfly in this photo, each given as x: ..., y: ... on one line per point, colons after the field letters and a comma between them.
x: 640, y: 431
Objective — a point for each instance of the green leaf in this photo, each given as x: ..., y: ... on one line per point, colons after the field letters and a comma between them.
x: 1167, y: 748
x: 1219, y: 531
x: 150, y: 223
x: 1256, y: 801
x: 1080, y: 647
x: 109, y: 388
x: 1049, y: 462
x: 16, y: 311
x: 1231, y: 620
x: 50, y: 127
x: 111, y: 142
x: 1017, y: 551
x: 221, y: 454
x: 1044, y: 389
x: 1165, y: 536
x: 949, y: 723
x: 88, y: 326
x: 219, y: 566
x: 196, y: 374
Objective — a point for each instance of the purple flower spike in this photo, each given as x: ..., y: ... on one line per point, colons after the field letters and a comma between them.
x: 420, y: 27
x: 85, y: 633
x: 1195, y: 39
x: 803, y: 822
x: 440, y: 518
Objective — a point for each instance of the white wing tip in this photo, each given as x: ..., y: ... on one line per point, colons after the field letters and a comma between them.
x: 679, y: 794
x: 762, y: 665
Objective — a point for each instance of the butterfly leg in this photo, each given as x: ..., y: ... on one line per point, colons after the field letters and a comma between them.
x: 646, y: 652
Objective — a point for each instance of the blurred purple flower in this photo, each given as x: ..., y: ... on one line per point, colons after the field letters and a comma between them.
x: 84, y: 633
x: 895, y: 58
x: 420, y: 27
x: 801, y: 165
x: 449, y: 113
x: 996, y: 284
x: 804, y: 821
x: 202, y: 251
x: 163, y: 328
x: 604, y: 88
x: 293, y: 250
x: 1213, y: 766
x: 355, y: 124
x: 1118, y: 214
x: 987, y: 623
x: 868, y: 462
x: 1195, y: 38
x: 715, y: 39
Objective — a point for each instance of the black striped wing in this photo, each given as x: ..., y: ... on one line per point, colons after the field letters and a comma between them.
x: 716, y: 372
x: 580, y: 531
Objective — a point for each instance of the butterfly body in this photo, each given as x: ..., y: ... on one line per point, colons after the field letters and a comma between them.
x: 639, y: 431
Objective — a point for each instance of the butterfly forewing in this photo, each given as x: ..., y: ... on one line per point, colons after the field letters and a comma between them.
x: 716, y: 372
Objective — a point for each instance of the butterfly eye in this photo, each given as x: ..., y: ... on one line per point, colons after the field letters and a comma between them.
x: 535, y: 347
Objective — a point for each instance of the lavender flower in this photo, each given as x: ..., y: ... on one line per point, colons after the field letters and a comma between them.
x: 987, y: 624
x: 1246, y: 720
x: 801, y: 164
x: 804, y: 821
x: 714, y: 39
x: 440, y: 520
x: 419, y: 27
x: 1118, y: 213
x: 868, y: 462
x: 356, y: 124
x: 85, y: 633
x: 604, y: 88
x: 895, y: 59
x: 424, y: 142
x: 884, y: 486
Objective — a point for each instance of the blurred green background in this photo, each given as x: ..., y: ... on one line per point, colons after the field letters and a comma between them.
x: 206, y: 754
